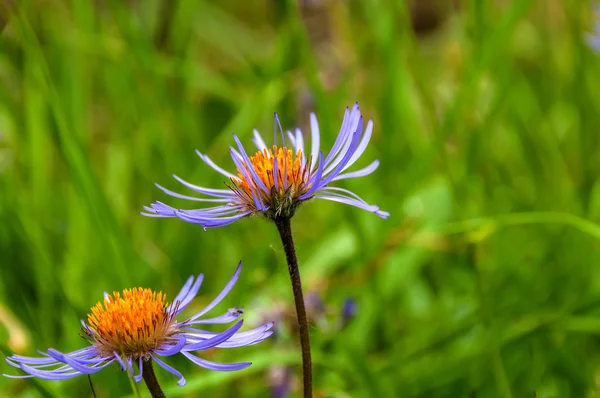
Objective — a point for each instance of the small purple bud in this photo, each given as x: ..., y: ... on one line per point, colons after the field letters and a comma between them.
x: 349, y: 310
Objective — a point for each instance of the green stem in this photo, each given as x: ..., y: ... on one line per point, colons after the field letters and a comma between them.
x: 530, y: 218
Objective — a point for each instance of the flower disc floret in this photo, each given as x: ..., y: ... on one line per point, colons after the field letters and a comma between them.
x: 135, y: 322
x: 282, y: 172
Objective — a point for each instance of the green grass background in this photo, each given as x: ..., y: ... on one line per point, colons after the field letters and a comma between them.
x: 483, y: 282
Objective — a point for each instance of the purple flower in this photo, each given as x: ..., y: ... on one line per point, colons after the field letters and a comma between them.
x: 593, y: 38
x: 139, y: 325
x: 315, y: 307
x: 280, y: 379
x: 349, y: 310
x: 274, y: 182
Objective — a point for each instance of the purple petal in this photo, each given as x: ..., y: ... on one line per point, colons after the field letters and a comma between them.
x: 315, y: 138
x: 314, y: 180
x: 172, y: 350
x: 164, y: 210
x: 258, y: 141
x: 285, y: 174
x: 130, y: 365
x: 359, y: 173
x: 222, y: 367
x: 364, y: 142
x: 216, y: 340
x: 161, y: 209
x: 221, y: 295
x: 185, y: 289
x: 280, y: 129
x: 300, y: 145
x: 208, y: 222
x: 353, y: 202
x: 245, y: 170
x: 186, y: 197
x: 383, y: 214
x: 139, y: 376
x: 59, y: 356
x: 593, y: 40
x: 213, y: 165
x: 187, y: 299
x: 222, y: 222
x: 49, y: 374
x: 20, y: 376
x: 236, y: 154
x: 181, y: 381
x: 343, y: 151
x: 222, y: 210
x: 346, y: 157
x: 153, y: 215
x: 240, y: 339
x: 225, y: 193
x: 15, y: 360
x: 248, y: 341
x: 276, y: 172
x: 229, y: 316
x: 250, y: 166
x: 292, y: 138
x: 65, y: 365
x: 120, y: 360
x: 346, y: 130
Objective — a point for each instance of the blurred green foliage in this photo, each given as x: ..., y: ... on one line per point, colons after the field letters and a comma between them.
x: 482, y: 283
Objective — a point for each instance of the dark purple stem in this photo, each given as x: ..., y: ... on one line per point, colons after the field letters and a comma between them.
x: 151, y: 381
x: 285, y: 232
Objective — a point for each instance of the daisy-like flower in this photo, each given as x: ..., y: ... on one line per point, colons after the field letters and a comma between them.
x: 274, y: 181
x: 138, y: 326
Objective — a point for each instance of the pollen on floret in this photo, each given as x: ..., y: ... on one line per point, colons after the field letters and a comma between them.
x: 134, y: 322
x: 285, y: 183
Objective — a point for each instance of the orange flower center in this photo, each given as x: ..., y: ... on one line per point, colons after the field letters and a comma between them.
x: 292, y: 176
x: 135, y: 322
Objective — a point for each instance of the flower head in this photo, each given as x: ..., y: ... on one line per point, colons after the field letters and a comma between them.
x: 138, y: 325
x: 274, y: 181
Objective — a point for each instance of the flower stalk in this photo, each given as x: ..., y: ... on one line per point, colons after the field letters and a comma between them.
x: 151, y: 381
x: 285, y: 232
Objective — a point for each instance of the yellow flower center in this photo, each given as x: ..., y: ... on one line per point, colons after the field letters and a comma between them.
x: 292, y: 177
x: 135, y: 322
